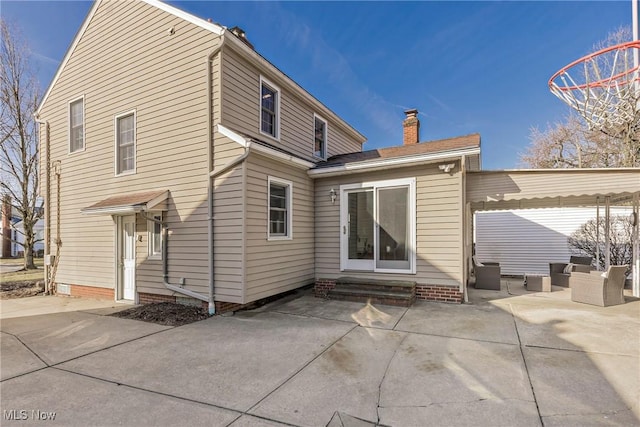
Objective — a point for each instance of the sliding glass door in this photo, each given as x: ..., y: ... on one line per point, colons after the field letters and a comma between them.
x: 378, y: 226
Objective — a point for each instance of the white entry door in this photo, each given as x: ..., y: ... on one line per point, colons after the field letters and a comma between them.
x: 128, y: 260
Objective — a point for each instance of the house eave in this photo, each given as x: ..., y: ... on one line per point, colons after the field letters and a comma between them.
x: 397, y: 162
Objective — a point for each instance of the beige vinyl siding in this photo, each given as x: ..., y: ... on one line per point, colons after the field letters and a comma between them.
x: 277, y: 266
x: 439, y: 237
x: 228, y: 212
x: 241, y: 111
x: 125, y: 61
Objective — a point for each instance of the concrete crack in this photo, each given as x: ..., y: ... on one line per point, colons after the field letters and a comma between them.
x: 524, y: 361
x: 384, y: 376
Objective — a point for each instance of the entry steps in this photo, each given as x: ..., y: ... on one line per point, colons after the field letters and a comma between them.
x: 387, y: 292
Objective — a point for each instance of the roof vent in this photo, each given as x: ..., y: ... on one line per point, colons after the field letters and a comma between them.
x: 239, y: 32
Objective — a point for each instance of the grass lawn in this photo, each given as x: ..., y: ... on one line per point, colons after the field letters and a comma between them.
x: 20, y: 276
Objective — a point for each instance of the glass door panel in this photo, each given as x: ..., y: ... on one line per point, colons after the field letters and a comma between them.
x: 359, y: 230
x: 393, y: 228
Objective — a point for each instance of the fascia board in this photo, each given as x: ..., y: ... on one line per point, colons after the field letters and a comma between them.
x: 390, y: 163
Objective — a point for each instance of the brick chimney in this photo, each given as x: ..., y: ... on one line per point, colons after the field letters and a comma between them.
x: 6, y: 226
x: 411, y: 127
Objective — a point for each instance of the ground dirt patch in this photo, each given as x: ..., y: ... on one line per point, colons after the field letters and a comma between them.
x: 164, y: 313
x: 11, y: 290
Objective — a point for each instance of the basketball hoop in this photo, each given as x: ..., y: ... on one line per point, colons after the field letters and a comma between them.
x: 604, y: 88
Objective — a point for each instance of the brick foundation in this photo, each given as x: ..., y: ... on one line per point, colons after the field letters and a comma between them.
x: 221, y: 307
x: 439, y: 293
x: 322, y: 286
x: 423, y: 292
x: 144, y: 298
x: 91, y: 292
x: 225, y: 307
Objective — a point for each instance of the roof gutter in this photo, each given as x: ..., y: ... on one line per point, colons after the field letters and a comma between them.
x: 261, y: 149
x: 371, y: 165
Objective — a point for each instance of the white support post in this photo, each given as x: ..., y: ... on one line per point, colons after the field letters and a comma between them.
x: 607, y: 237
x: 597, y: 233
x: 636, y: 247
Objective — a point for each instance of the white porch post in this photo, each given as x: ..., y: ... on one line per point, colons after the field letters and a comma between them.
x: 607, y: 237
x: 636, y: 247
x: 597, y: 233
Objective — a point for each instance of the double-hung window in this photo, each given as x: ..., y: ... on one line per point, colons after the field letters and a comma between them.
x: 126, y: 143
x: 280, y: 212
x: 76, y: 125
x: 155, y: 236
x: 320, y: 138
x: 269, y: 109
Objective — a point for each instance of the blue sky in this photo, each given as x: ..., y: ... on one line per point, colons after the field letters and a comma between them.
x: 466, y: 66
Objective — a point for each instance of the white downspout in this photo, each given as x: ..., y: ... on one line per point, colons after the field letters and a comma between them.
x: 47, y: 204
x: 165, y: 262
x: 210, y: 142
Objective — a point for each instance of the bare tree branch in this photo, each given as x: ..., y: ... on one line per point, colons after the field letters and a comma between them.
x: 19, y: 97
x: 571, y: 144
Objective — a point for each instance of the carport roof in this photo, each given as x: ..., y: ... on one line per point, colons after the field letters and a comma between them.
x: 543, y: 188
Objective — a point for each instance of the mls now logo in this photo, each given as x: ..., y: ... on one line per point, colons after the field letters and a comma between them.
x: 22, y: 415
x: 15, y: 415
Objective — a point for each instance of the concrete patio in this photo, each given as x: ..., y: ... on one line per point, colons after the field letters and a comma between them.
x: 510, y: 357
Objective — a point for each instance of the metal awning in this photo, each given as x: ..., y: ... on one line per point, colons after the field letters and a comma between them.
x: 129, y: 203
x: 545, y: 188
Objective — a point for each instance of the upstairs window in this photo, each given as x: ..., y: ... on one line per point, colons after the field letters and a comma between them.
x: 320, y: 138
x: 269, y: 109
x: 126, y: 143
x: 76, y: 125
x: 280, y: 214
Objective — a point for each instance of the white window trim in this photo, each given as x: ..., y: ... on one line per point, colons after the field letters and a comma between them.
x: 150, y: 232
x: 323, y: 156
x: 84, y: 131
x: 135, y: 143
x: 289, y: 185
x: 411, y: 182
x: 278, y: 102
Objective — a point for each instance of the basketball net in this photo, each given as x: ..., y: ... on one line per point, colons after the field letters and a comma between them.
x: 604, y: 88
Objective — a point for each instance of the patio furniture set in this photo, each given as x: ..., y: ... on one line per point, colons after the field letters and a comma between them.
x: 587, y: 285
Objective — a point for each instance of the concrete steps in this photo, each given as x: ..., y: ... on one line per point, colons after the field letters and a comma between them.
x: 387, y: 292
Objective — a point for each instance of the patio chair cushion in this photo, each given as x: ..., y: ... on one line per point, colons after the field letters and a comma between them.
x: 568, y: 269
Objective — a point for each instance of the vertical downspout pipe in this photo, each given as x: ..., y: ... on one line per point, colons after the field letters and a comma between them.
x: 210, y: 142
x: 47, y: 197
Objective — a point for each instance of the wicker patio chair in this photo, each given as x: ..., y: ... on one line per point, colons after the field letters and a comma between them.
x: 487, y: 274
x: 593, y: 288
x: 558, y: 271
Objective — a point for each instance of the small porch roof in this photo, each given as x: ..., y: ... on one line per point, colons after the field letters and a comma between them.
x: 545, y: 188
x: 129, y: 203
